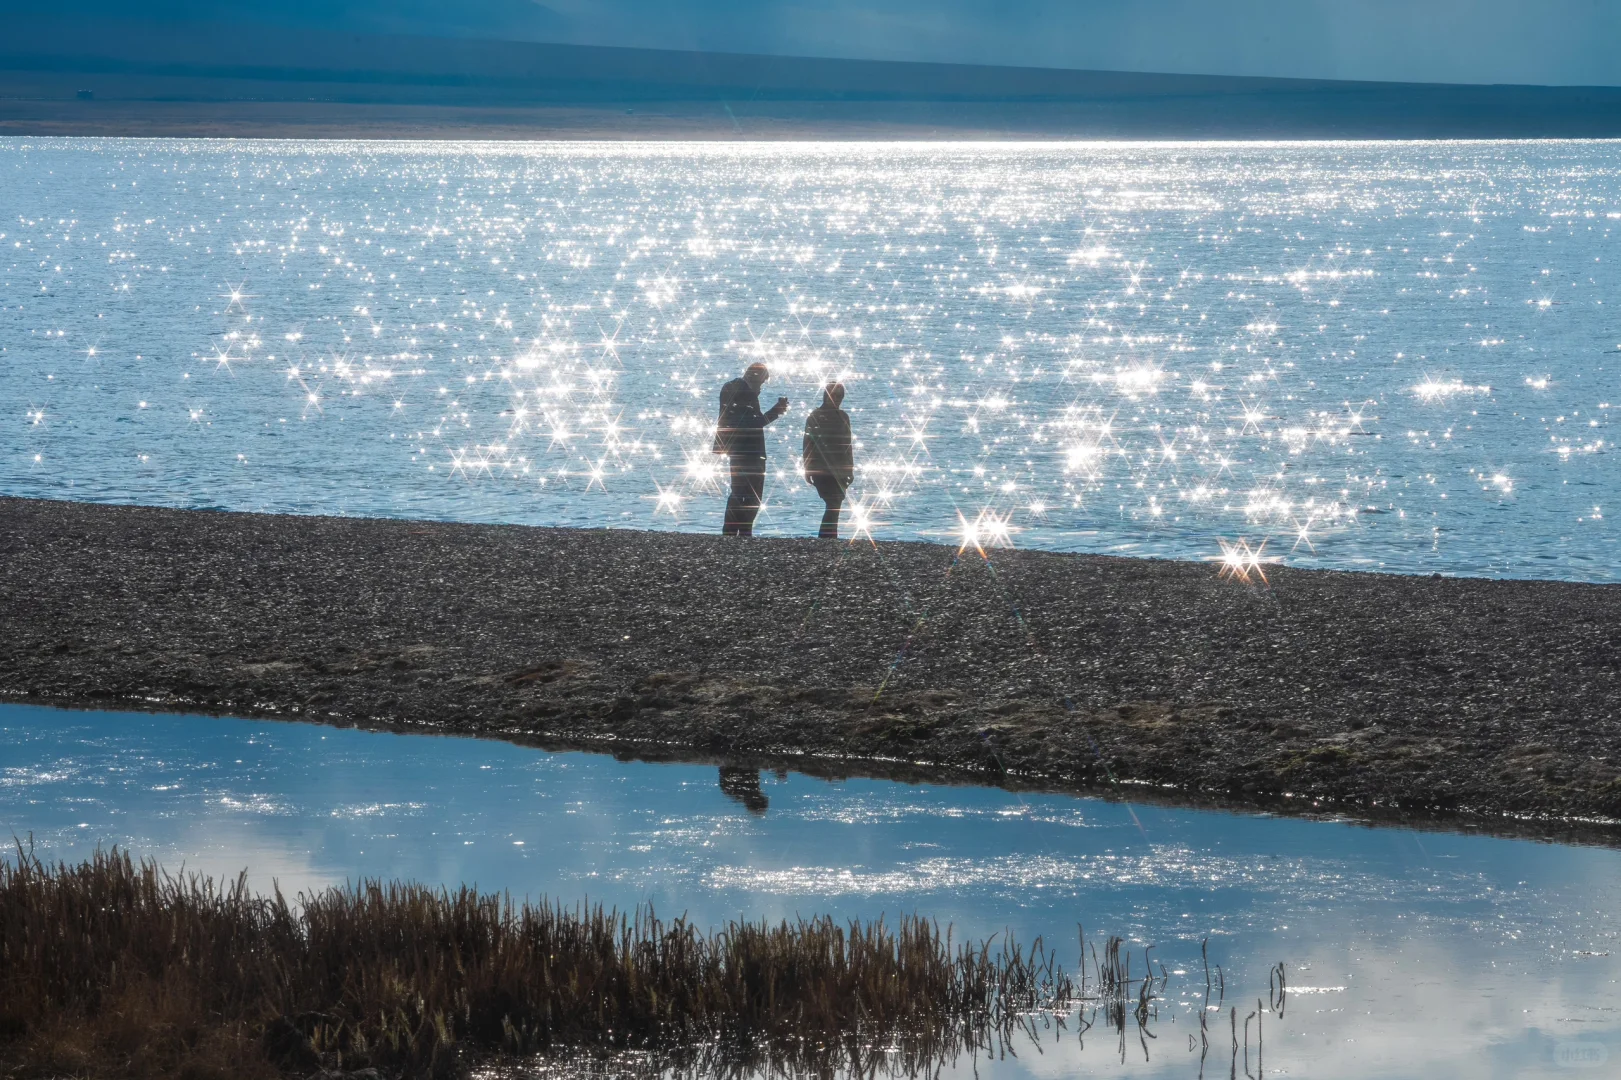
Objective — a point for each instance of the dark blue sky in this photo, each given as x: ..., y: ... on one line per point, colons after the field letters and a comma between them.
x: 1525, y: 41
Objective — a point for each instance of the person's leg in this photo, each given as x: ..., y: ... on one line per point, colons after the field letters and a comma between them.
x: 830, y: 517
x: 749, y: 484
x: 733, y: 522
x: 833, y: 495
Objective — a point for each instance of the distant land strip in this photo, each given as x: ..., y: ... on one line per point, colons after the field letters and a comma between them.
x: 145, y: 77
x: 1469, y: 702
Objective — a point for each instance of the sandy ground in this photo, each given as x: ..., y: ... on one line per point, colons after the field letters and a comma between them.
x: 1489, y: 704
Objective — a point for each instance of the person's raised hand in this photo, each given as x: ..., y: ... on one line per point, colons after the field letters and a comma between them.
x: 782, y: 404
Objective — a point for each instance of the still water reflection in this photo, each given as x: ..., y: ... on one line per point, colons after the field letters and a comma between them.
x: 1409, y: 953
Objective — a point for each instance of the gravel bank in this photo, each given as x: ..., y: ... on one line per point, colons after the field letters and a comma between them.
x: 1484, y: 701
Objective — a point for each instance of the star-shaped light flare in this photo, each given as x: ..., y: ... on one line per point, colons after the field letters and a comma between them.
x: 861, y: 522
x: 1303, y: 534
x: 234, y: 297
x: 666, y: 498
x: 702, y: 470
x: 1239, y: 560
x: 988, y: 529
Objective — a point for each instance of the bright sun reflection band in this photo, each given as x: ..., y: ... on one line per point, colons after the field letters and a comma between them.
x: 1047, y: 346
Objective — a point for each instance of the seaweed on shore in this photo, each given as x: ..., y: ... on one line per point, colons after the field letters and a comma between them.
x: 116, y: 967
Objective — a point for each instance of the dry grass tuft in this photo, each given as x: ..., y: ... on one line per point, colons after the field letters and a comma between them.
x: 113, y: 967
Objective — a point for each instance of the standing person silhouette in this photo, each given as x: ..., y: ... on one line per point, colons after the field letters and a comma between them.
x: 829, y: 456
x: 740, y: 434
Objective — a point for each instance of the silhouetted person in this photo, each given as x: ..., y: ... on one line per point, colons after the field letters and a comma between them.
x: 740, y: 435
x: 829, y: 456
x: 743, y: 786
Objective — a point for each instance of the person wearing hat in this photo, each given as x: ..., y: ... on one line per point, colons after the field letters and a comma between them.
x: 740, y: 435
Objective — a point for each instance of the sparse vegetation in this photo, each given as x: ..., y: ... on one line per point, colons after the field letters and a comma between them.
x: 115, y: 967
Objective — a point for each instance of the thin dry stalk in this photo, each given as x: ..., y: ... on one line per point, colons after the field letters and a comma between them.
x: 116, y: 967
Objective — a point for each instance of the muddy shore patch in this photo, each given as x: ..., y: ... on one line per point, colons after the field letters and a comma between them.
x: 1482, y: 700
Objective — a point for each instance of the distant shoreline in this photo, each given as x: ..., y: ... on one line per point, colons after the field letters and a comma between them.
x: 429, y: 123
x: 136, y: 76
x: 1469, y: 702
x: 23, y: 118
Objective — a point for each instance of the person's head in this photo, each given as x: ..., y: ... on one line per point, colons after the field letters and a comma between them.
x: 833, y: 395
x: 756, y: 375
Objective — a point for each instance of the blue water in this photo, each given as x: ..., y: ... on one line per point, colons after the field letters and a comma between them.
x: 1410, y: 954
x: 1395, y: 356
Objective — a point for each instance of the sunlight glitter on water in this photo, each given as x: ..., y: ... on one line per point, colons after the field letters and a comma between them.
x: 1368, y: 355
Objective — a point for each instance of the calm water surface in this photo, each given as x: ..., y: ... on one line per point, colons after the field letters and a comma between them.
x: 1369, y: 355
x: 1410, y: 954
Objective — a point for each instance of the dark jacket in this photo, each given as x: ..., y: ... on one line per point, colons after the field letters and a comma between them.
x: 828, y: 450
x: 740, y: 431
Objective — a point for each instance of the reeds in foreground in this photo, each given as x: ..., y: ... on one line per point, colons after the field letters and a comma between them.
x: 113, y: 967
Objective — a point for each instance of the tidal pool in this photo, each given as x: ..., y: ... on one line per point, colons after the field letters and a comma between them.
x: 1408, y: 953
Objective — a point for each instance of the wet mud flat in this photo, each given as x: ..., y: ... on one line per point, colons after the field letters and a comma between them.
x: 1484, y: 703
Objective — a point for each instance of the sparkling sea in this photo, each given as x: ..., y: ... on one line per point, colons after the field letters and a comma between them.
x: 1392, y: 356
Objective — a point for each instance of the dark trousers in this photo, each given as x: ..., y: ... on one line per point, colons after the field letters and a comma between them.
x: 832, y: 493
x: 748, y: 489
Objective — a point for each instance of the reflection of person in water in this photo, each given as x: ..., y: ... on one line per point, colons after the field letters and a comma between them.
x: 743, y: 786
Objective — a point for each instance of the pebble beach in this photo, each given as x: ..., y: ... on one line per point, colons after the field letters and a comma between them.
x: 1489, y: 703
